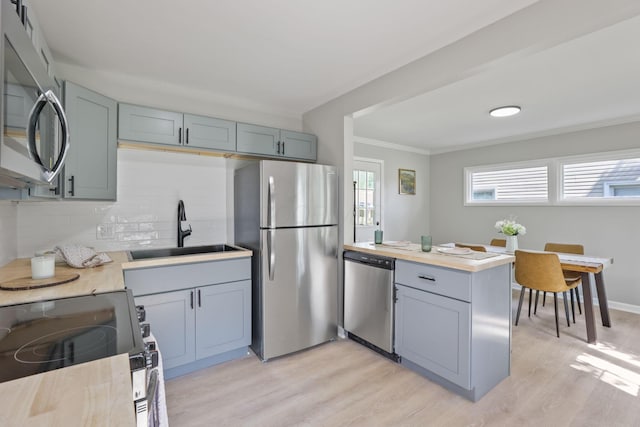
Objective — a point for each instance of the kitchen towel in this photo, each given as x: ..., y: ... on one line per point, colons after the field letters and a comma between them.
x: 78, y: 256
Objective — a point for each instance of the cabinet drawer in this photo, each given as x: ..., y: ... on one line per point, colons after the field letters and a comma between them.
x: 437, y: 280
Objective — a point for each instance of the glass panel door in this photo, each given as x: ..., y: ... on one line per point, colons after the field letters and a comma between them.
x: 367, y: 198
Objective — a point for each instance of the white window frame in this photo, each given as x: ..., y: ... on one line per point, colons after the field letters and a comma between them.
x: 555, y: 179
x: 596, y: 201
x: 468, y: 183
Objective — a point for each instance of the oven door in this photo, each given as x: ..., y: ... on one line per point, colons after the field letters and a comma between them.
x: 34, y: 126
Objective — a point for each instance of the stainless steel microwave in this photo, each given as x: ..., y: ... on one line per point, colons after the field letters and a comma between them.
x: 35, y: 133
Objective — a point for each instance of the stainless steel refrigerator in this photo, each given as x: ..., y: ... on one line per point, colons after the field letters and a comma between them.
x: 287, y: 213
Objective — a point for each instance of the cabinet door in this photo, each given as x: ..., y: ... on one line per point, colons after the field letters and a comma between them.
x: 258, y: 140
x: 208, y: 132
x: 172, y: 321
x: 298, y: 145
x: 434, y: 331
x: 223, y: 318
x: 149, y: 125
x: 91, y: 166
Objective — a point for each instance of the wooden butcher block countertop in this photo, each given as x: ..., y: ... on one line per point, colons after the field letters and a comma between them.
x: 413, y: 252
x: 105, y: 278
x: 96, y: 394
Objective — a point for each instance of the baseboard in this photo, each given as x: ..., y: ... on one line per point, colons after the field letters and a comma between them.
x: 615, y: 305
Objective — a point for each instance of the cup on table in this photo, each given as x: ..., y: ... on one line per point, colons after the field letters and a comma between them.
x: 378, y: 237
x: 43, y: 267
x: 425, y: 243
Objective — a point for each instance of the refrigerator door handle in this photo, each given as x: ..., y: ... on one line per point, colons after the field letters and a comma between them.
x: 271, y: 213
x: 271, y: 254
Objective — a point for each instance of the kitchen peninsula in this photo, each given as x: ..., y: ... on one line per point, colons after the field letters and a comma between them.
x: 452, y: 315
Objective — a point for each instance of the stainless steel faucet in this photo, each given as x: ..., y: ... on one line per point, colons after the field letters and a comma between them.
x: 182, y: 216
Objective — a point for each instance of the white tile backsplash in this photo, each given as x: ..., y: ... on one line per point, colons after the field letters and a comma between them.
x: 8, y: 232
x: 150, y: 184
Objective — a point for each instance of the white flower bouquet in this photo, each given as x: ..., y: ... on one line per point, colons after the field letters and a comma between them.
x: 509, y: 227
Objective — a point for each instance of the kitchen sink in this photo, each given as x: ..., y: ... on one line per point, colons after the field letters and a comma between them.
x: 171, y: 252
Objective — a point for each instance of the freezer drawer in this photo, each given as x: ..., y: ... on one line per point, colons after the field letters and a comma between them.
x: 368, y: 303
x: 298, y: 291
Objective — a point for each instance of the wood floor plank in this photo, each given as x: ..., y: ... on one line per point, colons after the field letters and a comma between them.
x: 554, y: 381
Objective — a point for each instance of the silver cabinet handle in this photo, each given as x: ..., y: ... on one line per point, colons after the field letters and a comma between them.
x: 425, y: 277
x: 199, y: 298
x: 271, y: 212
x: 48, y: 97
x: 271, y: 254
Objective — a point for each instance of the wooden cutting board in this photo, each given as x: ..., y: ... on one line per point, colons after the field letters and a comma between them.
x: 25, y: 283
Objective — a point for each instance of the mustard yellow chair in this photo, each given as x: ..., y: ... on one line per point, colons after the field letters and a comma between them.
x: 499, y: 242
x: 542, y: 272
x: 477, y: 248
x: 570, y: 276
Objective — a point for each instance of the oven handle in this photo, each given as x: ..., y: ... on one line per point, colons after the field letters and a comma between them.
x: 48, y: 97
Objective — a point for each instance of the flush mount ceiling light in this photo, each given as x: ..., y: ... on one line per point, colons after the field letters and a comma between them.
x: 505, y: 111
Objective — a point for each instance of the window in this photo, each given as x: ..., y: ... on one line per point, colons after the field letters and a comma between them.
x: 500, y: 184
x: 616, y: 177
x: 611, y: 178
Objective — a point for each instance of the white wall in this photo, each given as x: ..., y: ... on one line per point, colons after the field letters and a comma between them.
x: 173, y: 97
x: 603, y: 230
x: 406, y: 217
x: 8, y: 232
x: 150, y: 184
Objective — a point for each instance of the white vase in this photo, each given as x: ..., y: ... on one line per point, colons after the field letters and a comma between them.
x: 512, y: 244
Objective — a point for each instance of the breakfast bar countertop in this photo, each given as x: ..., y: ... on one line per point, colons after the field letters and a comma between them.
x: 412, y: 252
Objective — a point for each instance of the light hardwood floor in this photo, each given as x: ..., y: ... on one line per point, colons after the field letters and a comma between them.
x: 553, y: 382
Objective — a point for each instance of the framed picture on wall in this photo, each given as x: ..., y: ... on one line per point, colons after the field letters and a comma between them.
x: 406, y: 181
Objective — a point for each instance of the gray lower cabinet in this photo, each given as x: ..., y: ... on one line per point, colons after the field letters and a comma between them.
x: 200, y: 313
x: 173, y: 324
x: 274, y: 142
x: 433, y: 331
x: 454, y: 326
x: 136, y: 123
x: 197, y: 323
x: 91, y: 166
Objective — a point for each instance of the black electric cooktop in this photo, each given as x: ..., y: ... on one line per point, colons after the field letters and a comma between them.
x: 42, y: 336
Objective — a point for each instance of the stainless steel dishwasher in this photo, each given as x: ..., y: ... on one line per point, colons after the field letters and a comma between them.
x: 368, y: 300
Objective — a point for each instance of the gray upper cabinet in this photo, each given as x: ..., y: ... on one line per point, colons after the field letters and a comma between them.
x: 298, y: 145
x: 258, y: 140
x: 91, y: 166
x: 274, y: 142
x: 149, y: 125
x: 208, y: 132
x: 145, y: 124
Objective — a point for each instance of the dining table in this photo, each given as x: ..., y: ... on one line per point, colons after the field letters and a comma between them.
x: 586, y: 265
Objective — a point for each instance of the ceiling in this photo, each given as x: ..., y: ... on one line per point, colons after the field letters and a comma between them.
x: 288, y: 57
x: 284, y: 56
x: 587, y: 82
